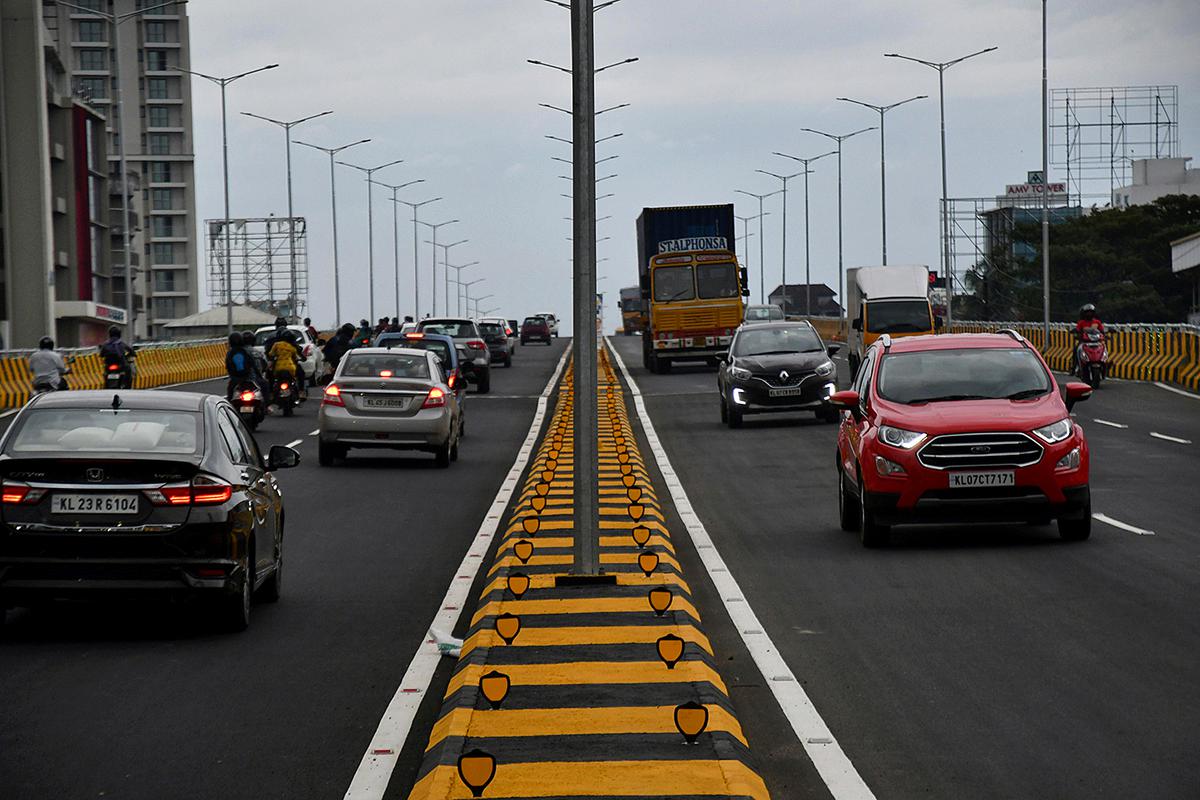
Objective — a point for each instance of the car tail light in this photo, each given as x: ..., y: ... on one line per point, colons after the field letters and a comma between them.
x: 436, y: 398
x: 113, y: 367
x: 385, y: 373
x: 453, y: 377
x: 414, y: 335
x: 307, y: 350
x: 15, y: 493
x: 247, y: 397
x: 508, y: 331
x: 210, y: 572
x: 333, y: 396
x: 202, y: 491
x: 476, y: 344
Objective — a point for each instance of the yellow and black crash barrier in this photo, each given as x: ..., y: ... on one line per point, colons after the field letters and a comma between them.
x: 1167, y: 353
x: 587, y: 691
x: 157, y: 365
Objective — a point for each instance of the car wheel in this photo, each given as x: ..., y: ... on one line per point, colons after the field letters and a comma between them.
x: 870, y: 531
x: 829, y: 415
x: 523, y: 341
x: 326, y: 453
x: 288, y: 409
x: 508, y: 360
x: 273, y: 586
x: 724, y: 410
x: 441, y: 456
x: 233, y: 609
x: 485, y: 382
x: 848, y: 513
x: 735, y: 417
x: 1077, y: 530
x: 454, y: 448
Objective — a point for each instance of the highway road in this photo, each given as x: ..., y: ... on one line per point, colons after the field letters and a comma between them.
x: 981, y: 662
x: 145, y: 701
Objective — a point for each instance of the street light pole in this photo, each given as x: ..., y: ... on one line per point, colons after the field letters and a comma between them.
x: 287, y: 130
x: 785, y: 179
x: 762, y: 284
x: 433, y: 278
x: 947, y: 266
x: 396, y: 233
x: 466, y: 293
x: 746, y: 235
x: 458, y: 280
x: 369, y: 171
x: 416, y: 262
x: 446, y: 265
x: 807, y: 252
x: 332, y: 152
x: 841, y: 261
x: 882, y: 110
x: 1045, y: 194
x: 224, y: 82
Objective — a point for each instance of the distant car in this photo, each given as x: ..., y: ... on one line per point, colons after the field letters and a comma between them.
x: 776, y: 367
x: 314, y: 363
x: 763, y: 313
x: 535, y: 329
x: 551, y: 321
x: 514, y: 331
x: 139, y: 492
x: 495, y: 335
x: 476, y: 361
x: 396, y: 398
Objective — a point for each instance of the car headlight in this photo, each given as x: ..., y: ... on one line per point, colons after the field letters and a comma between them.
x: 739, y: 374
x: 825, y: 369
x: 899, y: 437
x: 1055, y: 432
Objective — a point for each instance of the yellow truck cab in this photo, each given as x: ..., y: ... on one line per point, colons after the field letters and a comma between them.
x: 892, y: 300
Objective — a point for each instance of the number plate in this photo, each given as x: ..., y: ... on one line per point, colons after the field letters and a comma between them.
x: 394, y: 403
x: 794, y: 391
x: 94, y: 504
x: 975, y: 480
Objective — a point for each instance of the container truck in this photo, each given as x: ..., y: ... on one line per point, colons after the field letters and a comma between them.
x: 892, y: 300
x: 690, y: 282
x: 633, y: 311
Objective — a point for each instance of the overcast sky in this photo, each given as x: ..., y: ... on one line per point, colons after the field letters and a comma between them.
x: 444, y: 85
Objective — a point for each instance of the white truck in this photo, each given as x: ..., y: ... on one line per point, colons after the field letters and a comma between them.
x: 892, y: 300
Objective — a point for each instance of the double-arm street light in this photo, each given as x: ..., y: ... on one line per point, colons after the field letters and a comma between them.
x: 223, y: 82
x: 839, y: 139
x: 115, y: 20
x: 477, y: 301
x: 466, y: 292
x: 746, y: 235
x: 446, y: 265
x: 332, y: 153
x: 783, y: 191
x: 457, y: 281
x: 369, y: 171
x: 433, y: 280
x: 941, y: 67
x: 762, y: 288
x: 396, y: 232
x: 882, y: 110
x: 807, y: 252
x: 416, y: 263
x: 287, y: 132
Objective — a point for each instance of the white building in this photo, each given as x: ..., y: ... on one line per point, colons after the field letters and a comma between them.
x: 1157, y: 177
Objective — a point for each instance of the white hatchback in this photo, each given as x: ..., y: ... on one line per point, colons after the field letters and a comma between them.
x: 314, y: 363
x: 552, y: 321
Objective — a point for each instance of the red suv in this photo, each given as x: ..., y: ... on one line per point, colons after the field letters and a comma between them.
x: 960, y: 428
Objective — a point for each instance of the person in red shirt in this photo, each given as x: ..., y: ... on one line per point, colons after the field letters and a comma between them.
x: 1087, y: 321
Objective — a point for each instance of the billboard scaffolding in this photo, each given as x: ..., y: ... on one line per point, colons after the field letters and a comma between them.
x: 260, y: 258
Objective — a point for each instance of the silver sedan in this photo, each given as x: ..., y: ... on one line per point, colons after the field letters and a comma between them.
x: 393, y: 398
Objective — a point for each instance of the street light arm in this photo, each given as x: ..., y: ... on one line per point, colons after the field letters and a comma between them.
x: 615, y: 64
x: 250, y: 72
x: 932, y: 64
x: 909, y: 100
x: 610, y: 136
x: 212, y: 78
x: 303, y: 119
x: 612, y: 108
x: 554, y: 108
x: 537, y: 63
x: 875, y: 108
x: 972, y: 55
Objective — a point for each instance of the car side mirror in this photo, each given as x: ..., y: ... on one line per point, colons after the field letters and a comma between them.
x: 857, y: 324
x: 833, y: 350
x: 847, y: 401
x: 282, y: 457
x: 1076, y: 393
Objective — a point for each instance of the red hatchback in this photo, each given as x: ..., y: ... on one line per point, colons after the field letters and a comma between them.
x: 960, y: 428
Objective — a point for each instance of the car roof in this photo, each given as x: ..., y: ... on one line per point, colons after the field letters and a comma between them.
x: 383, y: 351
x: 954, y: 341
x: 436, y: 320
x: 404, y: 335
x: 130, y: 398
x: 300, y: 328
x: 776, y: 323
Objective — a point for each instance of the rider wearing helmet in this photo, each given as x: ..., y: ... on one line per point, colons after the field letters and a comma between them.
x: 365, y: 335
x: 48, y: 367
x: 337, y: 346
x: 239, y: 364
x: 116, y: 352
x: 1088, y: 321
x: 286, y: 335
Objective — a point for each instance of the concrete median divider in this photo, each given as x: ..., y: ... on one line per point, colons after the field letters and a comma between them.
x: 587, y: 690
x: 158, y: 364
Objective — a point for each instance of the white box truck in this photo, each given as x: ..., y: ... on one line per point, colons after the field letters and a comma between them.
x: 892, y: 300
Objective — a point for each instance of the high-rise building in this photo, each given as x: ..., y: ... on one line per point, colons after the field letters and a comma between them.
x: 137, y: 65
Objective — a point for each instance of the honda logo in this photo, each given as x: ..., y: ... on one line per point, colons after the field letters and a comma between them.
x: 94, y: 474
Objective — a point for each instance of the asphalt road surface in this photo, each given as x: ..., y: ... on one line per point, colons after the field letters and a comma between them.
x: 993, y: 662
x: 148, y: 701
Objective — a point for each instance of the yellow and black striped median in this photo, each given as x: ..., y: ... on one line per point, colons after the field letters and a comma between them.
x: 594, y: 690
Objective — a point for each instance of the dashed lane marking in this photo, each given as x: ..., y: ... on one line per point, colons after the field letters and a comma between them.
x: 375, y: 770
x: 314, y: 433
x: 295, y: 442
x: 1125, y: 526
x: 1167, y: 438
x: 1176, y: 390
x: 1109, y: 424
x: 832, y: 763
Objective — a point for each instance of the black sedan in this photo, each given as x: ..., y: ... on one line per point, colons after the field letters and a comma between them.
x: 776, y: 366
x: 135, y: 492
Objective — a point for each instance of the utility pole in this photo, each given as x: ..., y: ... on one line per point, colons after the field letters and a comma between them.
x: 762, y: 281
x: 807, y: 250
x: 396, y: 234
x: 783, y: 191
x: 369, y: 171
x: 1045, y: 195
x: 416, y: 263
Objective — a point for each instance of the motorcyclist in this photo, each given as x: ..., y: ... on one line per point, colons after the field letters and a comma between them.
x: 239, y: 364
x: 259, y: 363
x: 1088, y: 321
x: 283, y: 332
x: 48, y: 367
x: 308, y: 326
x: 284, y: 357
x: 365, y: 335
x: 116, y: 351
x: 337, y: 346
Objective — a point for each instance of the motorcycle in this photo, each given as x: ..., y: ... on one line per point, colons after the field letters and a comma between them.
x: 250, y: 403
x: 116, y: 377
x: 1091, y: 357
x: 284, y: 388
x: 42, y: 387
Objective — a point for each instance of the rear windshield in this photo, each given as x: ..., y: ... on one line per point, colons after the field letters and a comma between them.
x: 438, y: 348
x: 760, y: 313
x: 966, y: 374
x: 457, y: 329
x: 757, y: 342
x: 898, y: 316
x: 262, y: 337
x: 490, y: 329
x: 102, y: 430
x: 534, y: 321
x: 385, y: 365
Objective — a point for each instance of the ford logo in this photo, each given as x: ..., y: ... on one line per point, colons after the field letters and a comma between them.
x: 981, y: 449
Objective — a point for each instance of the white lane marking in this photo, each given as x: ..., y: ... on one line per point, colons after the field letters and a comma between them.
x: 1176, y: 390
x: 293, y: 444
x: 9, y: 413
x: 375, y: 769
x: 1166, y: 438
x: 314, y: 433
x: 1125, y: 526
x: 834, y: 766
x: 1109, y: 424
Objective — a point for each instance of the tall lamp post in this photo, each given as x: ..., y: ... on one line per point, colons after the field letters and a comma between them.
x: 224, y: 82
x: 458, y: 282
x: 807, y: 253
x: 396, y: 232
x: 746, y: 235
x: 841, y: 262
x: 446, y: 265
x: 433, y: 284
x: 369, y: 171
x: 466, y: 293
x: 882, y: 110
x: 783, y: 191
x: 762, y: 285
x: 416, y: 207
x: 115, y: 20
x: 941, y: 67
x: 287, y: 132
x: 332, y: 153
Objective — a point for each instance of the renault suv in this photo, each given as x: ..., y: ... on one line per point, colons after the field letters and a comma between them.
x: 960, y: 428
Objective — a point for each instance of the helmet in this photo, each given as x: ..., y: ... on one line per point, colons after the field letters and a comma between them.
x: 46, y: 343
x: 248, y: 338
x: 114, y: 332
x: 1088, y: 311
x: 363, y: 323
x: 235, y: 339
x: 347, y: 329
x: 281, y: 322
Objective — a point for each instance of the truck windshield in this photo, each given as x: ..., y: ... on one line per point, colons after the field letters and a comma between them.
x: 967, y: 374
x: 716, y: 280
x: 634, y: 304
x: 673, y: 283
x: 898, y: 316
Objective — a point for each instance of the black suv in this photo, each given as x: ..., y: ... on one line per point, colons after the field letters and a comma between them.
x: 776, y: 366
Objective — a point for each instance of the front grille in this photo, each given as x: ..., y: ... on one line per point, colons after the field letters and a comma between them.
x: 980, y: 451
x: 793, y: 379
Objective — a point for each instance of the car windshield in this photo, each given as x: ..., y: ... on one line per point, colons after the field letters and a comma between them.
x: 457, y: 329
x: 800, y: 339
x: 491, y: 329
x: 673, y: 283
x: 716, y: 280
x: 103, y: 430
x: 898, y: 316
x: 761, y: 313
x: 963, y: 374
x: 385, y: 365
